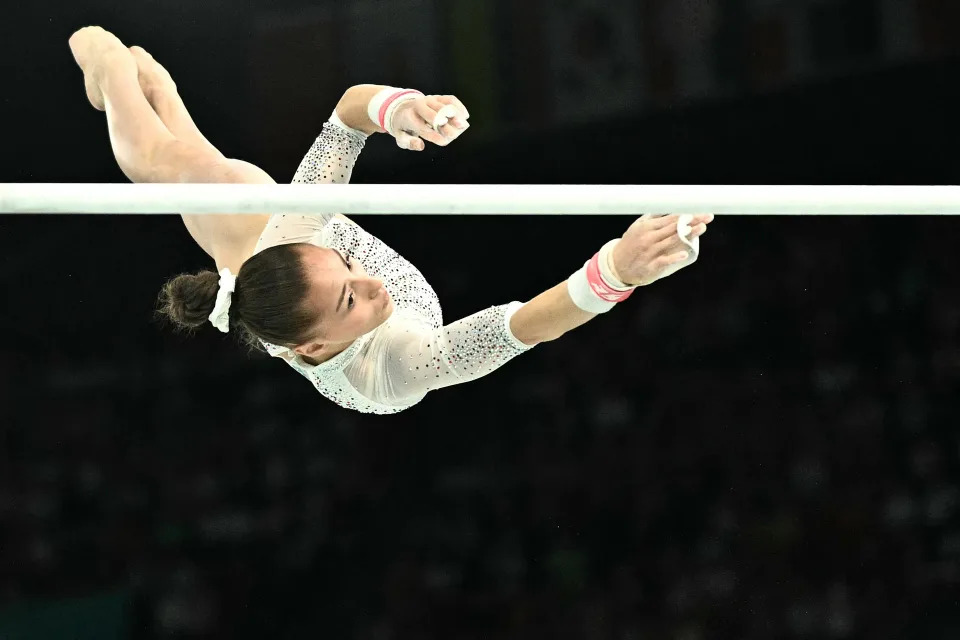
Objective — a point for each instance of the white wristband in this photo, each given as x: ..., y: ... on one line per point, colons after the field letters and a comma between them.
x: 606, y: 267
x: 382, y: 106
x: 582, y: 294
x: 595, y: 288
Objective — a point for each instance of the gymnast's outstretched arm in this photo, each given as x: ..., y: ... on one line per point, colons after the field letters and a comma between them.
x: 410, y: 117
x: 154, y: 139
x: 407, y: 359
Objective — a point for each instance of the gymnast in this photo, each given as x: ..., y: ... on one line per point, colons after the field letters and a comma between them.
x: 335, y: 303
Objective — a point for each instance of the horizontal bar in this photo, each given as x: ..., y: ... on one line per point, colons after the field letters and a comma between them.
x: 474, y: 199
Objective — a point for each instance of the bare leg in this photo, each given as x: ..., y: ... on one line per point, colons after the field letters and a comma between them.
x: 145, y: 148
x: 161, y: 92
x: 147, y: 151
x: 110, y: 77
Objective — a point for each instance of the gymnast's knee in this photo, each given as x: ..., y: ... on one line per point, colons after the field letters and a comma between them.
x: 175, y: 161
x: 249, y: 173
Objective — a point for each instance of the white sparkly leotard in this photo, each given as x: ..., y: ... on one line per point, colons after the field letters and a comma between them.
x: 395, y: 365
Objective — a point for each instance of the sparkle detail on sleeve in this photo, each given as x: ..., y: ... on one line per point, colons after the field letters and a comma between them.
x: 394, y: 366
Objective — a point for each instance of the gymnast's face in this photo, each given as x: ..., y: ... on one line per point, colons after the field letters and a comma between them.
x: 348, y: 301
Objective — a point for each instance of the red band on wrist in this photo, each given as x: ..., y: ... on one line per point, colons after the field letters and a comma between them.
x: 600, y: 287
x: 386, y: 104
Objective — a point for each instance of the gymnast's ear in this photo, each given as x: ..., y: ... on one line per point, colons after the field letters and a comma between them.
x: 309, y: 349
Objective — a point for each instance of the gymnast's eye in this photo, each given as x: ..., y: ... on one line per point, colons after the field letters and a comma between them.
x: 350, y: 302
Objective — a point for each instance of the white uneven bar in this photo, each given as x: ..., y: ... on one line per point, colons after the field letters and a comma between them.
x: 458, y: 199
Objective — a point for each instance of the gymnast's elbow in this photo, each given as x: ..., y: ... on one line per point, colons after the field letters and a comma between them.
x: 551, y: 336
x: 533, y: 329
x: 533, y: 338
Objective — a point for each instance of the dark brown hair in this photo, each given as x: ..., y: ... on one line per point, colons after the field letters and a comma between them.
x: 269, y: 302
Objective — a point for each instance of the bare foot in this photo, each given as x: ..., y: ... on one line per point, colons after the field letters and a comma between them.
x: 154, y: 78
x: 90, y: 47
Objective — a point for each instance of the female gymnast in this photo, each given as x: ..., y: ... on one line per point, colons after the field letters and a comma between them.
x: 335, y: 303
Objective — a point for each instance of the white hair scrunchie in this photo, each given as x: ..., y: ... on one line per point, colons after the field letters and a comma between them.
x: 220, y: 316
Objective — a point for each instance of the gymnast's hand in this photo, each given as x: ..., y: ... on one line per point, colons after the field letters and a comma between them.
x: 652, y: 245
x: 436, y: 119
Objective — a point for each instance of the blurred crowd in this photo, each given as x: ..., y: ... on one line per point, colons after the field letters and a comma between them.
x: 761, y: 446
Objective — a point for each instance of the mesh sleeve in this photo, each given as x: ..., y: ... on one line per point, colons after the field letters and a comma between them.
x: 410, y: 359
x: 330, y: 160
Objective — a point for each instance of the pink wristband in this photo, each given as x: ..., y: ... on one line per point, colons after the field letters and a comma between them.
x: 386, y: 104
x: 600, y: 287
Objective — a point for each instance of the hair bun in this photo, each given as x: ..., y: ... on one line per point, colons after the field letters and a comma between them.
x: 188, y: 300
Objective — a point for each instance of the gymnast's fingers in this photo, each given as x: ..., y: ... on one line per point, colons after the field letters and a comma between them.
x: 434, y: 113
x: 430, y: 135
x: 443, y: 122
x: 434, y: 126
x: 674, y: 258
x: 409, y: 141
x: 462, y: 112
x: 663, y: 228
x: 697, y: 230
x: 423, y: 109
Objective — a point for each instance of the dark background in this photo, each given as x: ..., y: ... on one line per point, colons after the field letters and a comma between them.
x: 762, y: 446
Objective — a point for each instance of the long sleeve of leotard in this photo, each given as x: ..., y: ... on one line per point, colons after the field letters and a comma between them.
x: 408, y: 357
x: 330, y: 160
x: 394, y: 366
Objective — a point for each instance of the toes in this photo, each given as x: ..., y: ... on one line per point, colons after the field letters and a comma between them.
x: 141, y: 56
x: 148, y: 64
x: 140, y: 52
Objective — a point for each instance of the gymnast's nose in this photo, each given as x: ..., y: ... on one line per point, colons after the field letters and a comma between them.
x: 373, y: 287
